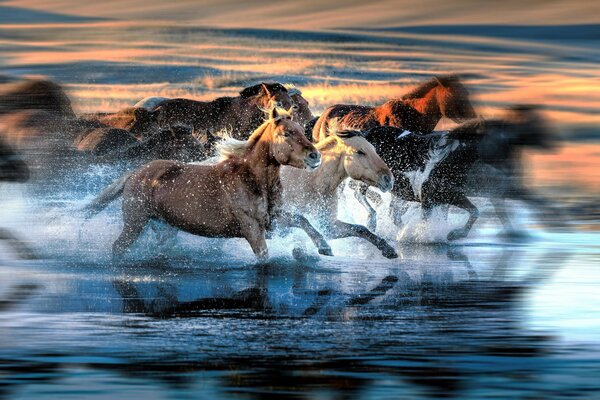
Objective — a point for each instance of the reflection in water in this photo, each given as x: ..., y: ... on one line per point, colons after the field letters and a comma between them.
x: 432, y: 325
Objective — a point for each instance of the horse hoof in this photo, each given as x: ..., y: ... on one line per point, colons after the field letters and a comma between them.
x: 326, y: 251
x: 457, y: 234
x: 389, y: 253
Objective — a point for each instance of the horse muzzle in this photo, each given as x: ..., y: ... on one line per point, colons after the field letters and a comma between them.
x: 312, y: 160
x: 385, y: 183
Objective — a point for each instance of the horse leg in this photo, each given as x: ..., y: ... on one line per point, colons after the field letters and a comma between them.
x: 298, y: 221
x: 360, y: 194
x: 339, y: 229
x: 460, y: 200
x: 499, y: 205
x: 134, y: 221
x: 165, y: 233
x: 398, y: 208
x: 256, y: 237
x: 18, y: 245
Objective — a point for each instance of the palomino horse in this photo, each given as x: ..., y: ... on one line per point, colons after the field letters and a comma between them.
x: 239, y: 116
x: 433, y: 169
x: 418, y: 111
x: 344, y: 154
x: 13, y: 169
x: 238, y: 197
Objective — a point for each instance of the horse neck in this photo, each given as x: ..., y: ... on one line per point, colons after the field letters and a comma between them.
x: 330, y: 174
x: 260, y: 160
x: 429, y: 108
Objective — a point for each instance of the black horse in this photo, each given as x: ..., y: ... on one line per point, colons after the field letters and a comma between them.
x: 435, y: 169
x: 13, y: 169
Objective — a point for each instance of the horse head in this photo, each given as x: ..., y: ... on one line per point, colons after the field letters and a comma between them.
x: 302, y: 114
x: 453, y: 98
x: 361, y: 161
x: 289, y: 145
x: 268, y: 94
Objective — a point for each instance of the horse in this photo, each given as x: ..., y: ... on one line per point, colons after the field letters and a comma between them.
x: 434, y: 169
x: 418, y: 111
x: 13, y: 169
x: 238, y: 197
x: 107, y: 144
x: 302, y: 115
x: 345, y: 154
x: 36, y: 94
x: 138, y: 121
x: 239, y: 116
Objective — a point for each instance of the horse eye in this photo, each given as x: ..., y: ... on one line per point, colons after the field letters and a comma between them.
x: 360, y: 153
x: 287, y: 134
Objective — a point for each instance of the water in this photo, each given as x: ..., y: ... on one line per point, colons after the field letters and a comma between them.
x: 483, y: 318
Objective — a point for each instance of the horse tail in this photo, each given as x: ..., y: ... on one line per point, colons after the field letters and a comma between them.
x: 108, y: 195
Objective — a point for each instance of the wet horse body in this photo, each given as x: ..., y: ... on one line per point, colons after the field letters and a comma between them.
x: 345, y: 154
x: 434, y: 169
x: 238, y: 197
x: 418, y: 111
x: 238, y: 116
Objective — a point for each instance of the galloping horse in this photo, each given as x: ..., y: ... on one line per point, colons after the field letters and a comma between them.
x: 238, y: 197
x: 239, y: 116
x: 418, y: 111
x: 433, y: 169
x: 138, y: 121
x: 345, y: 154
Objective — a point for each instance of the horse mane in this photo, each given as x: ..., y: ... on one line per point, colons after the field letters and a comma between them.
x: 231, y: 148
x: 424, y: 88
x: 335, y: 127
x: 255, y: 90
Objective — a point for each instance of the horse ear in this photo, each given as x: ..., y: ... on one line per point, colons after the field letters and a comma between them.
x: 438, y: 80
x: 292, y: 111
x: 273, y: 114
x: 265, y: 89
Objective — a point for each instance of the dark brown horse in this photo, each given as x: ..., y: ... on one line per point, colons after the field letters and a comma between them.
x: 418, y: 111
x: 138, y: 121
x: 302, y: 115
x: 238, y: 197
x: 239, y: 116
x: 36, y: 95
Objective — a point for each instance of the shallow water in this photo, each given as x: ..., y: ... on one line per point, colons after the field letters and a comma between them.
x: 482, y: 318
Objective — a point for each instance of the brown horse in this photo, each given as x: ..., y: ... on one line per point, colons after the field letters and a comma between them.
x: 238, y: 197
x: 138, y: 121
x: 418, y: 111
x: 36, y: 95
x: 345, y: 154
x: 302, y: 114
x: 239, y: 116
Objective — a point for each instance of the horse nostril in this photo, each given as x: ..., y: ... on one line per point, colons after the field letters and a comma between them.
x: 313, y: 156
x: 295, y: 107
x: 278, y: 104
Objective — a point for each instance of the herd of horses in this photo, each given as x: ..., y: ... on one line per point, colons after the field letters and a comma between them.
x: 279, y: 163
